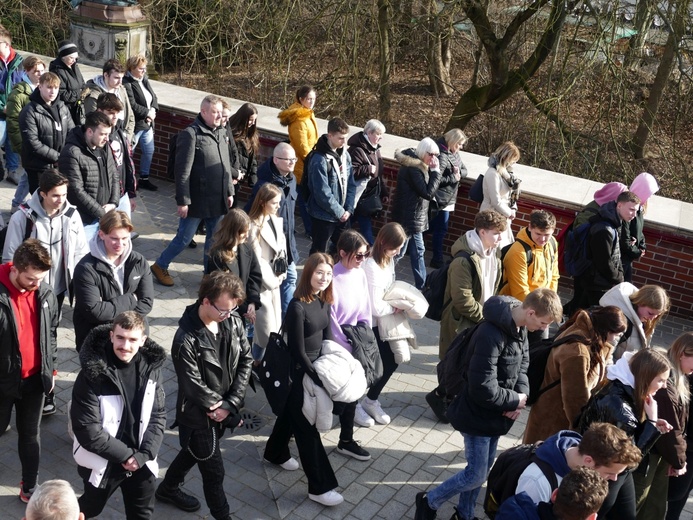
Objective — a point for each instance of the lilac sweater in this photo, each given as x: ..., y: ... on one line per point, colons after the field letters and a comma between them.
x: 351, y: 301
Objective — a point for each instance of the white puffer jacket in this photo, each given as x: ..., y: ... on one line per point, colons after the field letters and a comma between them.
x: 342, y: 376
x: 317, y: 405
x: 395, y: 328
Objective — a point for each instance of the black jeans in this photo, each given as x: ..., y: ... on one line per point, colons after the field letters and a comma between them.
x: 389, y: 367
x: 28, y: 408
x: 346, y: 412
x: 323, y: 232
x: 137, y: 489
x: 620, y: 501
x: 679, y: 488
x: 316, y: 464
x: 202, y: 443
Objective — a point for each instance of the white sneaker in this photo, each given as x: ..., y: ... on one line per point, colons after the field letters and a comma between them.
x: 331, y: 498
x: 362, y: 418
x: 290, y: 465
x: 373, y: 409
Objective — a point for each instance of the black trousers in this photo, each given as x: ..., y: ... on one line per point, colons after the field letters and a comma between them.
x: 316, y: 464
x: 28, y: 408
x: 620, y: 501
x: 389, y: 367
x: 323, y: 232
x: 679, y: 489
x: 204, y: 444
x: 137, y: 489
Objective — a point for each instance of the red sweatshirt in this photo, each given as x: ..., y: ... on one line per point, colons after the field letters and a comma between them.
x: 25, y: 306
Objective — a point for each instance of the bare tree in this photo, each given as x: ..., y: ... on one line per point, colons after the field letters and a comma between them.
x: 384, y: 95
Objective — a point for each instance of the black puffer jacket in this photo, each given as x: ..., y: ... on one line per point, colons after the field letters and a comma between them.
x: 43, y: 135
x: 98, y: 299
x: 247, y: 163
x: 247, y: 268
x: 498, y: 358
x: 10, y: 358
x: 447, y: 189
x: 416, y: 186
x: 92, y: 174
x: 615, y: 404
x: 71, y: 85
x: 200, y: 371
x: 604, y: 249
x: 98, y: 379
x: 203, y: 170
x: 138, y: 102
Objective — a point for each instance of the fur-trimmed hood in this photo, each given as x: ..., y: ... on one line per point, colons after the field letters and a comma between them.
x: 295, y: 112
x: 93, y: 356
x: 408, y: 159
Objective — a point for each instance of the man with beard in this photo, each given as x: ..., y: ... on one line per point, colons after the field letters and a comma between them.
x: 28, y: 324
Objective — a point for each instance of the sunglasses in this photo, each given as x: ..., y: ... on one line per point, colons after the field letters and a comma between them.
x: 362, y: 256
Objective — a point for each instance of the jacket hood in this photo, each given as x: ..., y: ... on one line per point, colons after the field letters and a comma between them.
x: 498, y: 310
x: 25, y: 85
x: 608, y: 212
x: 98, y: 251
x: 474, y: 243
x: 97, y: 82
x: 619, y: 295
x: 408, y: 159
x: 620, y: 371
x: 93, y: 355
x: 34, y: 203
x: 462, y: 244
x: 553, y: 450
x: 75, y: 137
x: 520, y: 507
x: 295, y: 112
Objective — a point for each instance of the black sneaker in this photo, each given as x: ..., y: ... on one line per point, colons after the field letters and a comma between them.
x: 178, y: 498
x: 49, y: 404
x: 423, y: 510
x: 353, y: 449
x: 192, y: 244
x: 439, y: 406
x: 146, y: 184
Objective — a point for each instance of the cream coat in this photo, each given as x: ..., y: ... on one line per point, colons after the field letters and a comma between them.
x: 317, y: 405
x: 267, y: 247
x: 341, y: 374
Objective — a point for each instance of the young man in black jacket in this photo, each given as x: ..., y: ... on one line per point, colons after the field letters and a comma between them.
x: 212, y: 359
x: 118, y: 416
x: 494, y: 392
x: 28, y: 349
x: 111, y: 279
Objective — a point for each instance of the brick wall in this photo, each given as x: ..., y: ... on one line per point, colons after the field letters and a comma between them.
x: 668, y: 261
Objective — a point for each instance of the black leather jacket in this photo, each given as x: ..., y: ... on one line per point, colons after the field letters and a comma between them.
x: 200, y: 372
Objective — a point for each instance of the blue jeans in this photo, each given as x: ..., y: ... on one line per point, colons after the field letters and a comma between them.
x: 146, y: 137
x: 11, y: 158
x: 480, y: 453
x: 186, y: 232
x: 415, y: 245
x: 366, y: 228
x: 22, y: 190
x: 303, y: 210
x: 439, y: 228
x: 288, y: 287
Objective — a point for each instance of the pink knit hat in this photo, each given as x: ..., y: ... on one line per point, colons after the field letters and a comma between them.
x: 644, y: 186
x: 609, y: 192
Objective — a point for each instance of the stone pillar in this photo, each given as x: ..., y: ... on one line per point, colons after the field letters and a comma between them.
x: 105, y: 31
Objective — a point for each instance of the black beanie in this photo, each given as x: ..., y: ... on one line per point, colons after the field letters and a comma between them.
x: 65, y: 48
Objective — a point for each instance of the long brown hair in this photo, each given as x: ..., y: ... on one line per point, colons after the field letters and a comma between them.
x: 267, y: 192
x: 228, y: 233
x: 391, y: 236
x: 304, y: 290
x: 238, y: 123
x: 652, y: 296
x: 645, y: 365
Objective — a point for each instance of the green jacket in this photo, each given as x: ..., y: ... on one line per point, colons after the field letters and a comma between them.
x: 18, y: 99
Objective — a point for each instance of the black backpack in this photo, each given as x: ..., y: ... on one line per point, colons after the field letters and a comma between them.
x: 434, y: 287
x: 30, y: 221
x: 506, y: 472
x: 538, y: 357
x: 452, y: 369
x: 576, y: 258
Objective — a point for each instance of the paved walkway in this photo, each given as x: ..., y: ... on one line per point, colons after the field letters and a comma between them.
x: 408, y: 455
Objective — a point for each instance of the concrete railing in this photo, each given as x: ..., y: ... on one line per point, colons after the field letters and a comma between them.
x: 669, y: 223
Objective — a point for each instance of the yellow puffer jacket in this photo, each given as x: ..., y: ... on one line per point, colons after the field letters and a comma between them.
x: 520, y: 279
x: 303, y: 133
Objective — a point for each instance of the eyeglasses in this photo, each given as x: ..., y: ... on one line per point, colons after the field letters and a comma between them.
x: 290, y: 159
x: 431, y: 154
x: 226, y: 313
x: 361, y: 256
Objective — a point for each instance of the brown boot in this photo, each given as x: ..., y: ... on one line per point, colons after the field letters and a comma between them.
x: 162, y: 275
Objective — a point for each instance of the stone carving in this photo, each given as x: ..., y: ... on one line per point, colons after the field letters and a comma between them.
x: 94, y: 49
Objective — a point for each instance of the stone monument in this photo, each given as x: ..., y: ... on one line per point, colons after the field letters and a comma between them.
x: 105, y: 29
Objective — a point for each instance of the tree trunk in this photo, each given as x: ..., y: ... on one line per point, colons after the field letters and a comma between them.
x: 666, y: 65
x: 644, y: 14
x: 439, y: 56
x: 384, y: 96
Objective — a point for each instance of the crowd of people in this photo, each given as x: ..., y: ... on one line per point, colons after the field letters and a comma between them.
x: 611, y: 415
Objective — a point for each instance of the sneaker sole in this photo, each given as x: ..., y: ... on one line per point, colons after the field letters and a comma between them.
x: 167, y: 500
x: 327, y: 504
x: 364, y: 425
x: 348, y: 453
x: 50, y: 412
